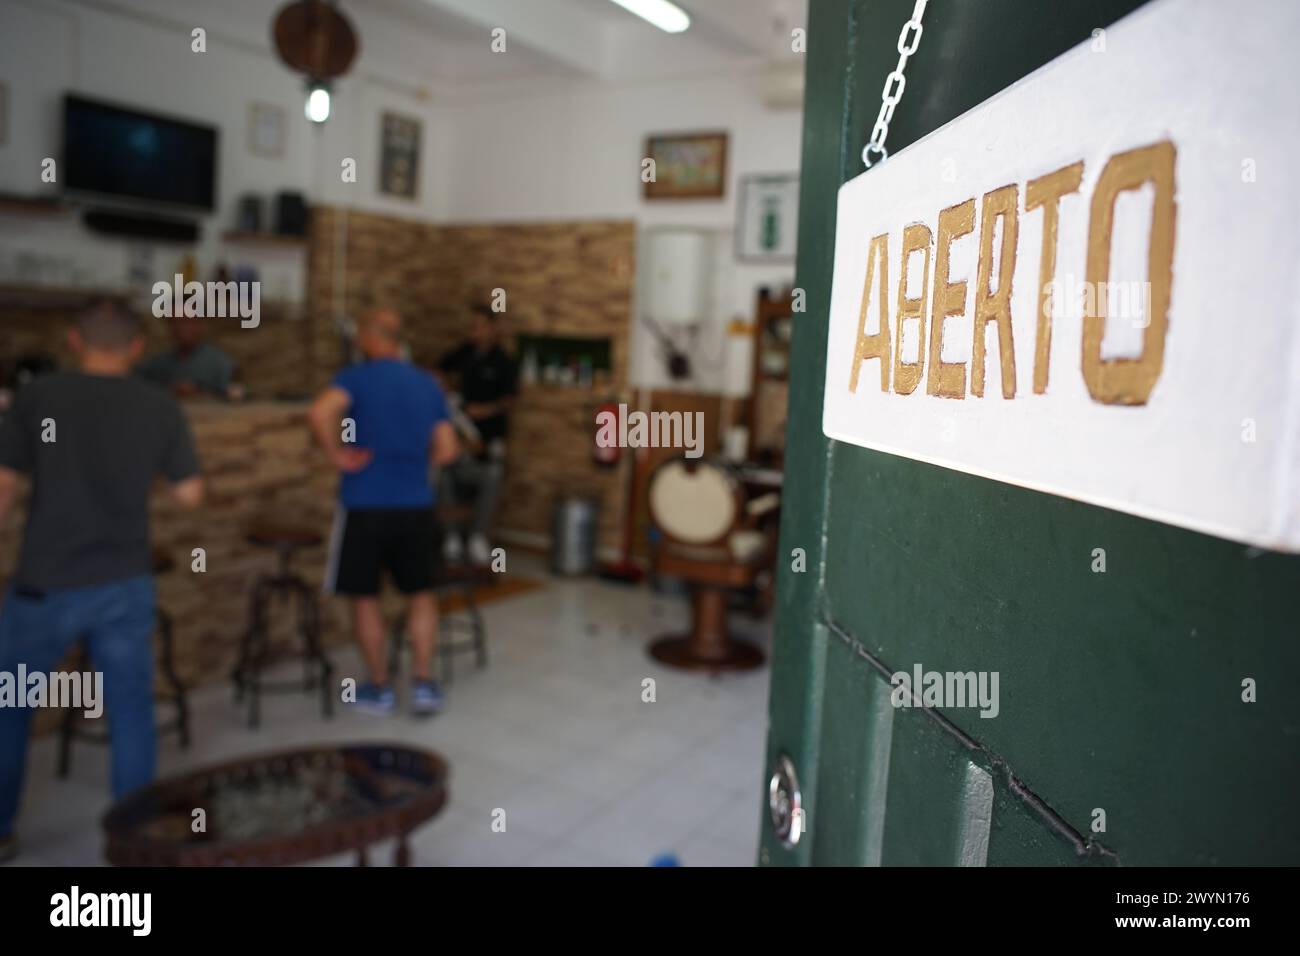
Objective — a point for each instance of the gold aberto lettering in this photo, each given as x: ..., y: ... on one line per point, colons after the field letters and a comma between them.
x: 1046, y: 191
x: 876, y: 345
x: 1129, y: 381
x: 907, y: 375
x: 996, y: 306
x: 948, y: 379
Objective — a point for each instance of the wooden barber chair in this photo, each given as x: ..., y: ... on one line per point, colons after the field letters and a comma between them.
x: 710, y: 538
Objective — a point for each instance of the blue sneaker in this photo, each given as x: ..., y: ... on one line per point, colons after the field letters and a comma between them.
x: 376, y: 700
x: 426, y: 698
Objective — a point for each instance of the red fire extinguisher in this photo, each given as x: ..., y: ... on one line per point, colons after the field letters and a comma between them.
x: 606, y: 450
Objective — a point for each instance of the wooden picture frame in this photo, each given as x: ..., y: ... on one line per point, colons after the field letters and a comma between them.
x: 687, y: 165
x: 399, y: 155
x: 268, y: 129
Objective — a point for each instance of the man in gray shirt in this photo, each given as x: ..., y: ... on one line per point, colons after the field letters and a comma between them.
x: 192, y: 367
x: 91, y: 442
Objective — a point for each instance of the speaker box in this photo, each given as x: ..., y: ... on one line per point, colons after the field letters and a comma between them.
x: 250, y: 214
x: 140, y: 226
x: 290, y: 214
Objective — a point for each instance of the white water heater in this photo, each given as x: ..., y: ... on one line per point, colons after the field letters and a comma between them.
x: 676, y: 270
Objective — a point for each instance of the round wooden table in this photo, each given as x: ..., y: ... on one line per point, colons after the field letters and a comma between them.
x: 281, y: 808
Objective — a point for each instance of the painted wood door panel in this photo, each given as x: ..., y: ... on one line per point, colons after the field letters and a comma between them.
x: 1119, y: 690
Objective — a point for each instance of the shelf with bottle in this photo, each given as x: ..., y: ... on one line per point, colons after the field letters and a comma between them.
x: 572, y: 361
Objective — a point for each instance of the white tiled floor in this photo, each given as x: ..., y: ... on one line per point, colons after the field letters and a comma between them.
x: 554, y: 732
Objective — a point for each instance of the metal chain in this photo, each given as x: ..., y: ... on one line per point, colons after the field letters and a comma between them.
x: 889, y: 97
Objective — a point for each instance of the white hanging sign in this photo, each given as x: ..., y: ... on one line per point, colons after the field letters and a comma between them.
x: 1090, y: 284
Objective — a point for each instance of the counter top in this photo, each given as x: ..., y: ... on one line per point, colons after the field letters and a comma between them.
x: 200, y: 409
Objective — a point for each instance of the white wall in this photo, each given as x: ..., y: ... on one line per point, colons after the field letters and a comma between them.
x: 546, y: 148
x: 140, y: 55
x: 574, y: 151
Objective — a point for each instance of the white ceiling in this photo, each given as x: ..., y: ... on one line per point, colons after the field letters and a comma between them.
x: 596, y: 38
x: 445, y: 45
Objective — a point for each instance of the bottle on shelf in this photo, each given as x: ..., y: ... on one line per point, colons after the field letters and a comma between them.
x: 528, y: 368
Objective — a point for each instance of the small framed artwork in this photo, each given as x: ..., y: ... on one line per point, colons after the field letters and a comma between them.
x: 4, y: 114
x: 687, y: 166
x: 267, y: 129
x: 399, y: 156
x: 768, y: 218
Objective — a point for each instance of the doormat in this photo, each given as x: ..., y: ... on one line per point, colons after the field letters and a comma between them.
x: 506, y: 587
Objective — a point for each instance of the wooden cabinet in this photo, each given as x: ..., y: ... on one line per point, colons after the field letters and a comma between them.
x: 769, y: 399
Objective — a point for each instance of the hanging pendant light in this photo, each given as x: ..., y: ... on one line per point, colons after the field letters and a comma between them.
x: 317, y: 108
x: 315, y: 39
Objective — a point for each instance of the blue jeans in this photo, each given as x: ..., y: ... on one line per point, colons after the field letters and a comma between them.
x: 116, y: 622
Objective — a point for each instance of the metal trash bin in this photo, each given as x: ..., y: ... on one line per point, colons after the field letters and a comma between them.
x: 573, y: 534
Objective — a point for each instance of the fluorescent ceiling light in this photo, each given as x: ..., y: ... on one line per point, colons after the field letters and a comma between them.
x: 668, y: 17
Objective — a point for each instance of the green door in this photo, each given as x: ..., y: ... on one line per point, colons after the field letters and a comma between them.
x: 1122, y: 736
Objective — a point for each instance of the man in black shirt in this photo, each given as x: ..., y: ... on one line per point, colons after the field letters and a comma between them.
x: 488, y: 380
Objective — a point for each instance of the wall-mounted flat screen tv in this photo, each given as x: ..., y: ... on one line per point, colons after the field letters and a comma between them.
x: 114, y: 151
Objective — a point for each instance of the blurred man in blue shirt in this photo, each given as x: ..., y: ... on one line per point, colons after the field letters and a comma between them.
x: 381, y: 422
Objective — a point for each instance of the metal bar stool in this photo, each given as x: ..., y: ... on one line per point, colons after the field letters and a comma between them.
x: 255, y: 648
x: 74, y: 726
x: 468, y: 622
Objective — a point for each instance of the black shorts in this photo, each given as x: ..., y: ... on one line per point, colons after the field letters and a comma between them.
x: 367, y: 542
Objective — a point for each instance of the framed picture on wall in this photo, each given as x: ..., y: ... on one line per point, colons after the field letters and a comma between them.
x: 767, y: 221
x: 399, y: 155
x: 687, y: 166
x: 267, y: 128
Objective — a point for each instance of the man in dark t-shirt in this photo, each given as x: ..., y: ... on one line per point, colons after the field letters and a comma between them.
x: 191, y: 367
x: 90, y: 442
x: 488, y: 381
